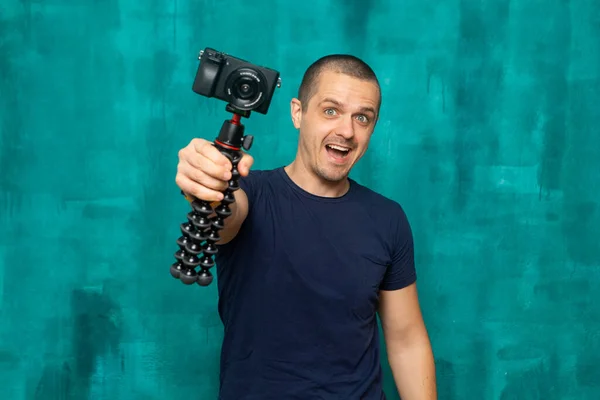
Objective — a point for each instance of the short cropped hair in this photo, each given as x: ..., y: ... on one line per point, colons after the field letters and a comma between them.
x: 342, y: 63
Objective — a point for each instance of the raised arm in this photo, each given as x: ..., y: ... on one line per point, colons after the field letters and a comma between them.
x: 203, y: 173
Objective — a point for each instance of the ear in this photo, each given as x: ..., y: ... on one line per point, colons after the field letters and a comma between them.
x: 296, y: 112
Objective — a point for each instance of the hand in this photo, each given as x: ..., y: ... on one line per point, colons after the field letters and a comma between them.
x: 204, y: 172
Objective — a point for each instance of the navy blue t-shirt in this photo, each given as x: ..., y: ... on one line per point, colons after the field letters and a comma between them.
x: 298, y: 291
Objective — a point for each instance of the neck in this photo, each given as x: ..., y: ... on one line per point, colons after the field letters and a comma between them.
x: 312, y: 183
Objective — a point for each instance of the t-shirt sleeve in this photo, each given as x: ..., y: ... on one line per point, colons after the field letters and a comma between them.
x: 401, y: 272
x: 249, y: 184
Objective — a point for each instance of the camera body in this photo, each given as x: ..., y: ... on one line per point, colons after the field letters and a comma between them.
x: 245, y: 86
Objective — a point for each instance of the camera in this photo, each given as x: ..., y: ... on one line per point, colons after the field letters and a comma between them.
x: 245, y: 86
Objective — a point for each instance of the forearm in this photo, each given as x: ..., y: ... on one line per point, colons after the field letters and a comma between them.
x: 413, y: 367
x: 239, y: 211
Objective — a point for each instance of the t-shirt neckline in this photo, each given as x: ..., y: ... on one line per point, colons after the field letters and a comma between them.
x: 345, y: 197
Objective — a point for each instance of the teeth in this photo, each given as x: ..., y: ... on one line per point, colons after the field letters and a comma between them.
x: 333, y: 146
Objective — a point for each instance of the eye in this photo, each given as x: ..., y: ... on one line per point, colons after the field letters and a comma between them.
x: 363, y: 118
x: 330, y: 111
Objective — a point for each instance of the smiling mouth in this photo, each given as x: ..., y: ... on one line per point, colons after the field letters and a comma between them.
x: 337, y: 152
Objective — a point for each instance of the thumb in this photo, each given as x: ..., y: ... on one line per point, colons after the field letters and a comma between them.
x: 245, y: 164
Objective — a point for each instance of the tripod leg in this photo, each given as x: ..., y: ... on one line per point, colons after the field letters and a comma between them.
x: 200, y: 233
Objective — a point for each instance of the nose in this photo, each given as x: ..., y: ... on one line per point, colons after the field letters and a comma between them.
x: 345, y: 127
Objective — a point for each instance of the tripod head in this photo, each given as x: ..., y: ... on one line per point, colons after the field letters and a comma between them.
x: 246, y: 88
x: 232, y: 131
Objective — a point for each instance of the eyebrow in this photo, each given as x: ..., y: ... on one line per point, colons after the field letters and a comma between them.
x: 362, y: 109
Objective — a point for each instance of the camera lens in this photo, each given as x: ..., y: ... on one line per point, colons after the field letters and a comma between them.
x: 246, y: 87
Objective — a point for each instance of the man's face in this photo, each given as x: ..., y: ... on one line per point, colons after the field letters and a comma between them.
x: 337, y: 124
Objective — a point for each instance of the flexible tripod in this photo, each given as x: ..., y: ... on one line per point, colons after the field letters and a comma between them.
x: 200, y: 232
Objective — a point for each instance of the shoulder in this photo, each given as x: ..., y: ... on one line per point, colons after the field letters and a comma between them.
x: 390, y: 226
x: 381, y: 205
x: 257, y: 184
x: 387, y: 214
x: 259, y: 175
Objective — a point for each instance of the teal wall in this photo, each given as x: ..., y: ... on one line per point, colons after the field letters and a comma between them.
x: 489, y: 137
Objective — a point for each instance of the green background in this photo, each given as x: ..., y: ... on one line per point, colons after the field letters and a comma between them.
x: 489, y: 137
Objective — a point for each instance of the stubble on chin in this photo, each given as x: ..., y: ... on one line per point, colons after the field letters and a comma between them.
x: 330, y: 174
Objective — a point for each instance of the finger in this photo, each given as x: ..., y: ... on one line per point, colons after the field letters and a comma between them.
x: 212, y: 153
x: 198, y: 191
x: 194, y: 156
x: 203, y: 178
x: 209, y: 167
x: 245, y: 164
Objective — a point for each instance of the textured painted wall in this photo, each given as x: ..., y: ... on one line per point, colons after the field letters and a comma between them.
x: 489, y: 137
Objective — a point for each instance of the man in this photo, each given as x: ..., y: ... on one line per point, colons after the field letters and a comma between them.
x: 309, y: 257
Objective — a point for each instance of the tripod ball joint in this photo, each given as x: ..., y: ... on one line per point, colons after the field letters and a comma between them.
x: 200, y: 233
